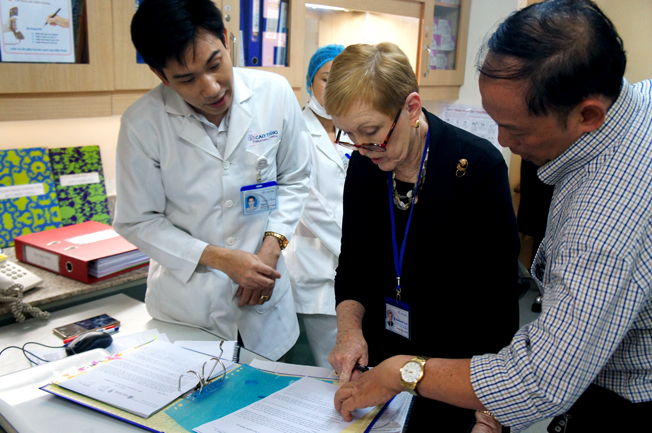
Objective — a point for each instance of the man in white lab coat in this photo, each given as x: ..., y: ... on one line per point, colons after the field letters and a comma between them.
x: 190, y: 153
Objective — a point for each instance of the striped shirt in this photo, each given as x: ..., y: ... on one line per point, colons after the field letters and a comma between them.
x: 594, y: 268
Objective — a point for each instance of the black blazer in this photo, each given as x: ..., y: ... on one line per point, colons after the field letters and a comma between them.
x: 460, y: 266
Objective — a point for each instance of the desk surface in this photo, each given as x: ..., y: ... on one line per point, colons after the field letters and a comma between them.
x: 29, y: 409
x: 57, y: 288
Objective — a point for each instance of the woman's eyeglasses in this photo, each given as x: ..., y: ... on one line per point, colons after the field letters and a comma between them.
x: 368, y: 146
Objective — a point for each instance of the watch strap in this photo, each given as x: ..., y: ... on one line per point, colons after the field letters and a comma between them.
x: 411, y: 387
x: 282, y: 240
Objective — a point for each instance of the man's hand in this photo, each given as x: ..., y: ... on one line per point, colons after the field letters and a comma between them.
x: 372, y: 388
x: 486, y: 424
x: 246, y: 269
x: 268, y: 254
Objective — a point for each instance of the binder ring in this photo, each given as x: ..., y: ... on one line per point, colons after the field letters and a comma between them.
x: 203, y: 379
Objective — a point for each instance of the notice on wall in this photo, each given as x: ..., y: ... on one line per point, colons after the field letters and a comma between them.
x: 472, y: 119
x: 37, y: 31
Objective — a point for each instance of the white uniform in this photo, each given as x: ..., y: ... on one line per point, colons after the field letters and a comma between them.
x: 177, y: 194
x: 312, y: 255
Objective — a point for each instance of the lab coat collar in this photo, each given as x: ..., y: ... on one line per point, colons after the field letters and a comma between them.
x: 192, y: 130
x: 241, y: 115
x: 317, y: 131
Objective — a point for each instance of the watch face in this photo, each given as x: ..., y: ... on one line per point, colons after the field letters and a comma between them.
x: 411, y: 372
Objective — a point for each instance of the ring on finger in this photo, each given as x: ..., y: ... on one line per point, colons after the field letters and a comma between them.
x: 264, y: 298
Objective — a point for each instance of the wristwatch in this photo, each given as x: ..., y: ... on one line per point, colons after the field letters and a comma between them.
x: 412, y: 372
x: 282, y: 240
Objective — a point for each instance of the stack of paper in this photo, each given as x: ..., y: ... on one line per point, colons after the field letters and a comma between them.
x: 109, y: 265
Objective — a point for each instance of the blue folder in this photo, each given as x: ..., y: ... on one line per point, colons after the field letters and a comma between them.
x: 251, y: 26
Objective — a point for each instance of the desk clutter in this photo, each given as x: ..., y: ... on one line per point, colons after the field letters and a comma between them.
x: 43, y: 189
x: 161, y: 386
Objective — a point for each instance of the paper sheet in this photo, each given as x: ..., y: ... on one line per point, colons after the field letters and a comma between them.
x: 120, y: 344
x: 472, y: 119
x: 142, y: 381
x: 305, y: 406
x: 294, y: 369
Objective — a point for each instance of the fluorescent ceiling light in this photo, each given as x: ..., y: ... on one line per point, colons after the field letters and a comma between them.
x: 331, y: 8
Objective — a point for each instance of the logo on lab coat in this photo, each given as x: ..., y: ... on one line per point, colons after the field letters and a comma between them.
x: 257, y: 138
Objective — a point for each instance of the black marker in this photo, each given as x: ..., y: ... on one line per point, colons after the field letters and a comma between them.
x: 53, y: 15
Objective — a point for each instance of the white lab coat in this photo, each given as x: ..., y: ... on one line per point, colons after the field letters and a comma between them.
x: 312, y: 255
x: 176, y: 194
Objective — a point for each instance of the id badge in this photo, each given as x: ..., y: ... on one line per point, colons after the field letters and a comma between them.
x: 260, y: 197
x: 397, y: 317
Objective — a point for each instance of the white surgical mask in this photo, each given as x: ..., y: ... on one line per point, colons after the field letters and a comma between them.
x: 317, y: 108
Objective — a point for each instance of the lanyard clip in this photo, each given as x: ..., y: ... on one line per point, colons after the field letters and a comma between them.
x: 398, y: 289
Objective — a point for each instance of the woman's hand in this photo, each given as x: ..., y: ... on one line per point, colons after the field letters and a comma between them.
x: 350, y: 348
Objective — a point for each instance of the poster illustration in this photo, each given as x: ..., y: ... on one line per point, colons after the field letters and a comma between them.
x: 472, y: 119
x: 37, y: 31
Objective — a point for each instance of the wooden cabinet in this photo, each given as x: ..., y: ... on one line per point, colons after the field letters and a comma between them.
x: 453, y: 25
x: 409, y: 24
x: 113, y: 79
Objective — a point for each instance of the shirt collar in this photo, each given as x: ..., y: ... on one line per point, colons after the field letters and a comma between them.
x: 592, y: 144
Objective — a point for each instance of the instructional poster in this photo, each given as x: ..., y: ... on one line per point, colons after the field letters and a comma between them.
x: 37, y: 31
x: 472, y: 119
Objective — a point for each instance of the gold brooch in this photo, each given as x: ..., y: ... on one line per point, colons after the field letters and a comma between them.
x: 462, y: 165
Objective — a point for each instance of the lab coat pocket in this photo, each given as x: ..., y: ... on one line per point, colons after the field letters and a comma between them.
x: 262, y: 160
x: 310, y: 263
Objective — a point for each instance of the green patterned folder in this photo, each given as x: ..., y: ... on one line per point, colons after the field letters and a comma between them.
x: 79, y: 178
x: 28, y: 197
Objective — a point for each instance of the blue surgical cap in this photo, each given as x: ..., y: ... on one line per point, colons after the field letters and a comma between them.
x: 322, y: 56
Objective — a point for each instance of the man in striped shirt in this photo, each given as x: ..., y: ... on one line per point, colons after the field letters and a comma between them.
x: 553, y: 80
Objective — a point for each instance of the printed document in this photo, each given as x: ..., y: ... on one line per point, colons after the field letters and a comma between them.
x: 142, y: 381
x: 303, y: 407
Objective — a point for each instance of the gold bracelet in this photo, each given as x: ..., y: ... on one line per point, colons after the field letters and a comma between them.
x: 486, y: 412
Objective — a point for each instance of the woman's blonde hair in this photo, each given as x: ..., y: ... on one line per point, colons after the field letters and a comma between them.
x: 378, y: 75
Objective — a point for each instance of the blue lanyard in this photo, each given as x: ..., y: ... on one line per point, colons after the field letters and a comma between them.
x: 398, y: 261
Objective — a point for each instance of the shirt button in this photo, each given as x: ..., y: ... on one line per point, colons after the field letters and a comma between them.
x: 227, y: 164
x: 229, y: 203
x: 341, y: 175
x: 230, y: 241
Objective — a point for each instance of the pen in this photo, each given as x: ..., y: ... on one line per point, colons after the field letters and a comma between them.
x: 108, y: 330
x: 360, y: 368
x: 52, y: 16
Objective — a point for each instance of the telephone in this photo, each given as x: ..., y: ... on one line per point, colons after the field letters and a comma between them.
x: 11, y: 273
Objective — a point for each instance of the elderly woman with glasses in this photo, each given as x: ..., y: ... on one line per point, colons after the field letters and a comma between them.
x: 428, y: 231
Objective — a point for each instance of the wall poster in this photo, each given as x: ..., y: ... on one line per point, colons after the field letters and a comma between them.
x: 37, y: 31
